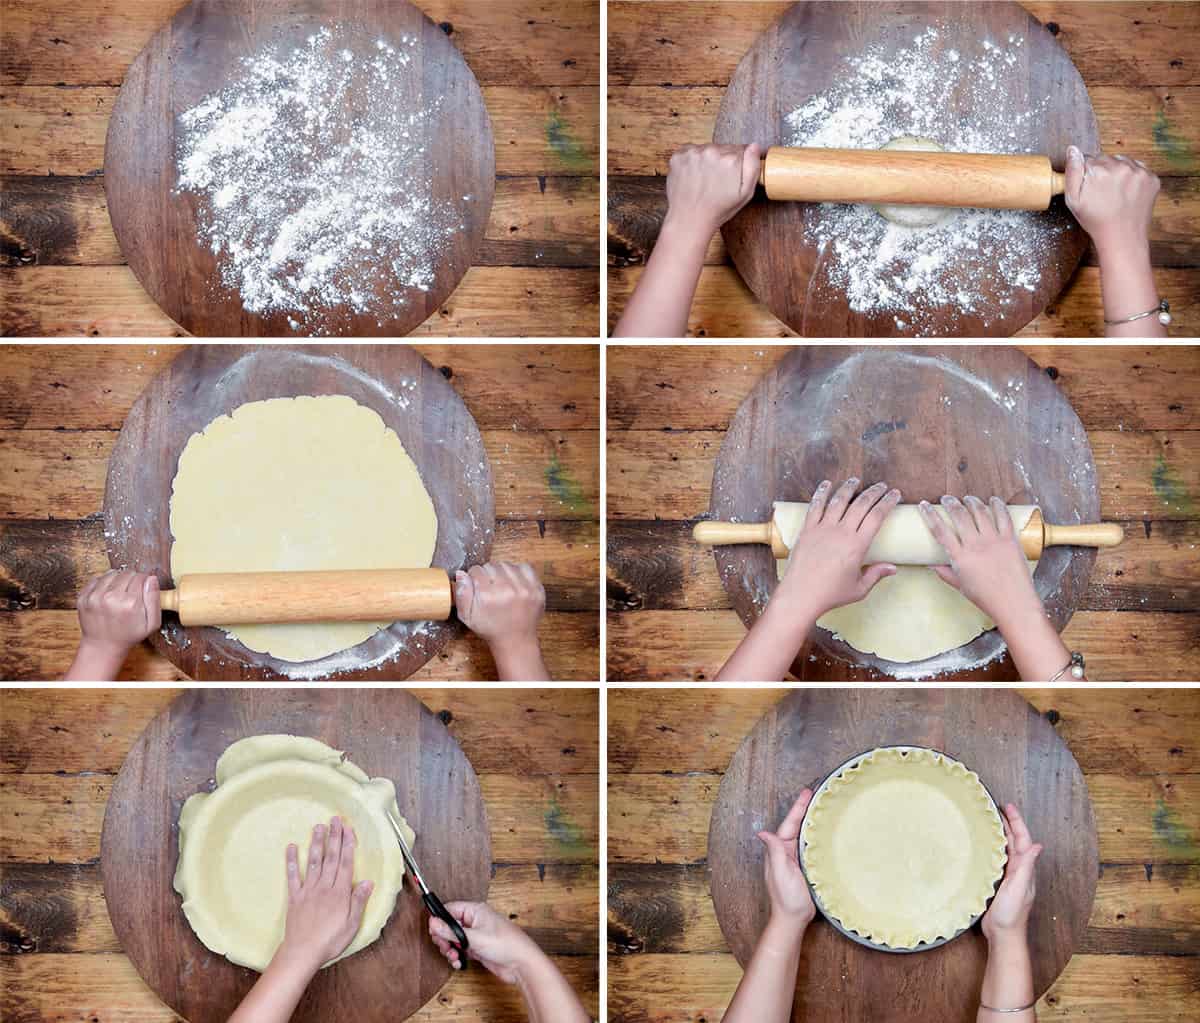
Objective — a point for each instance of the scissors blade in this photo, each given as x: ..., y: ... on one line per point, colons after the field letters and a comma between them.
x: 407, y: 854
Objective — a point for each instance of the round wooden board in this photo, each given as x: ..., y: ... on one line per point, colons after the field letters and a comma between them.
x: 978, y: 420
x: 388, y: 733
x: 206, y: 381
x: 199, y: 52
x: 1019, y: 757
x: 802, y: 55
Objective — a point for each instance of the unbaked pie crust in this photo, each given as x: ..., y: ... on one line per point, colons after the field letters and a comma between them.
x: 271, y: 791
x: 903, y: 846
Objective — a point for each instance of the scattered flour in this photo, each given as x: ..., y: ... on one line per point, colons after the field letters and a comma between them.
x: 928, y: 90
x: 312, y: 170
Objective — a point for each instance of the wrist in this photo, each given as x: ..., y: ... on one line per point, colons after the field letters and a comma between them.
x: 1002, y: 936
x: 101, y: 656
x: 296, y: 961
x: 1122, y: 246
x: 530, y: 965
x: 690, y: 231
x: 785, y: 930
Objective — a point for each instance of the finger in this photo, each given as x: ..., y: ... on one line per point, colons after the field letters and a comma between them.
x: 980, y: 514
x: 130, y: 584
x: 780, y: 854
x: 316, y: 850
x: 466, y: 913
x: 873, y: 574
x: 751, y: 168
x: 862, y: 505
x: 943, y: 531
x: 88, y: 589
x: 841, y: 499
x: 1076, y: 172
x: 1004, y: 523
x: 881, y: 510
x: 441, y: 930
x: 358, y: 905
x: 464, y: 594
x: 333, y: 853
x: 964, y: 525
x: 345, y: 867
x: 293, y: 869
x: 789, y: 830
x: 479, y: 575
x: 816, y: 507
x: 947, y: 575
x: 151, y: 604
x: 1020, y: 829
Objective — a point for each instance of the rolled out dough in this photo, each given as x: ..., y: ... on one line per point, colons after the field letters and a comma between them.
x: 271, y: 791
x: 299, y: 484
x: 913, y: 216
x: 912, y: 615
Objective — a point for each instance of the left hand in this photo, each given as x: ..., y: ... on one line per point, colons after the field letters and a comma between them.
x: 791, y: 901
x: 1012, y: 903
x: 326, y: 907
x: 118, y: 610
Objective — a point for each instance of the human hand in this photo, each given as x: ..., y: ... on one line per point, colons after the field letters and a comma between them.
x: 1112, y: 197
x: 1009, y: 911
x: 502, y: 947
x: 791, y: 901
x: 987, y: 564
x: 825, y: 563
x: 326, y: 908
x: 707, y: 185
x: 502, y: 603
x: 118, y: 610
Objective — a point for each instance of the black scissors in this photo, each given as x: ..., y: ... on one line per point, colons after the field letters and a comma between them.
x: 432, y: 902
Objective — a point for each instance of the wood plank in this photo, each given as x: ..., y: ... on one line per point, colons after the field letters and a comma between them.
x: 667, y: 908
x: 1142, y: 475
x: 664, y: 818
x: 1101, y: 989
x: 539, y: 475
x: 725, y: 307
x: 56, y: 908
x: 39, y: 646
x: 1112, y: 731
x: 92, y: 386
x: 54, y: 301
x: 90, y: 987
x: 43, y: 565
x: 655, y: 387
x: 686, y: 42
x: 534, y: 731
x: 660, y: 646
x: 548, y: 42
x: 646, y: 124
x: 57, y: 221
x: 50, y: 818
x: 552, y: 130
x: 658, y: 566
x: 637, y: 205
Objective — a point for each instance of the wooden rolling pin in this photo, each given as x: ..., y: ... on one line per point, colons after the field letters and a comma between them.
x: 893, y: 176
x: 376, y: 595
x: 905, y: 543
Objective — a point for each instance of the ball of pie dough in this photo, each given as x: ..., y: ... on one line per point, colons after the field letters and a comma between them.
x: 914, y: 216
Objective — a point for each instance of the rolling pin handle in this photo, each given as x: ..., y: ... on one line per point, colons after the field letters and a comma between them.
x: 1058, y: 183
x: 168, y: 600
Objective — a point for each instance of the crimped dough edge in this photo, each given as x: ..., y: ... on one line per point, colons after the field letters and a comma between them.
x: 817, y: 862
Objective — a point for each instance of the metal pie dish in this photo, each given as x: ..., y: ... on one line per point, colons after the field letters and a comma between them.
x: 801, y: 846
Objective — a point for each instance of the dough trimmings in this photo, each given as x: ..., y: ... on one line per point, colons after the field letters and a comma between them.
x: 903, y: 846
x: 271, y: 791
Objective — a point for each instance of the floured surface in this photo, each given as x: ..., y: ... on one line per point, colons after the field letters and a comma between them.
x: 315, y: 188
x: 299, y: 484
x: 271, y: 791
x: 926, y: 89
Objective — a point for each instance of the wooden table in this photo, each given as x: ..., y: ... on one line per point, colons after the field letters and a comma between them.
x: 668, y: 409
x: 61, y: 408
x: 536, y: 754
x: 537, y: 61
x: 670, y: 62
x: 1139, y: 961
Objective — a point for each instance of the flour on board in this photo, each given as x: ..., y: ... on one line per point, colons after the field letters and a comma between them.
x: 980, y: 262
x: 316, y: 194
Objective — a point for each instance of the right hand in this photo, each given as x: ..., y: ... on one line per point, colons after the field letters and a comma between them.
x: 118, y: 610
x: 501, y: 603
x: 791, y: 901
x: 707, y: 185
x: 825, y: 564
x: 1112, y: 197
x: 1010, y: 908
x: 496, y: 942
x: 987, y: 564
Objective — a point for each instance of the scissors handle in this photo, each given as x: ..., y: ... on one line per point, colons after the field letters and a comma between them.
x: 434, y: 905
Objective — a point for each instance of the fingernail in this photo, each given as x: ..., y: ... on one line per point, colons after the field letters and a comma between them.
x: 853, y: 479
x: 823, y: 486
x: 947, y: 499
x: 1073, y: 153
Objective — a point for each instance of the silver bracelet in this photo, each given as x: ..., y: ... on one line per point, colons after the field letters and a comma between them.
x: 992, y: 1008
x: 1163, y: 309
x: 1075, y: 666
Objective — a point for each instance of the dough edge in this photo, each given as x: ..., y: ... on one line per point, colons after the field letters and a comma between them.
x: 257, y: 753
x: 815, y: 846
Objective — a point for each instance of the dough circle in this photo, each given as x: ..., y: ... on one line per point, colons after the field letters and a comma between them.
x: 271, y: 791
x: 912, y: 615
x: 299, y: 484
x: 914, y: 216
x: 903, y: 846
